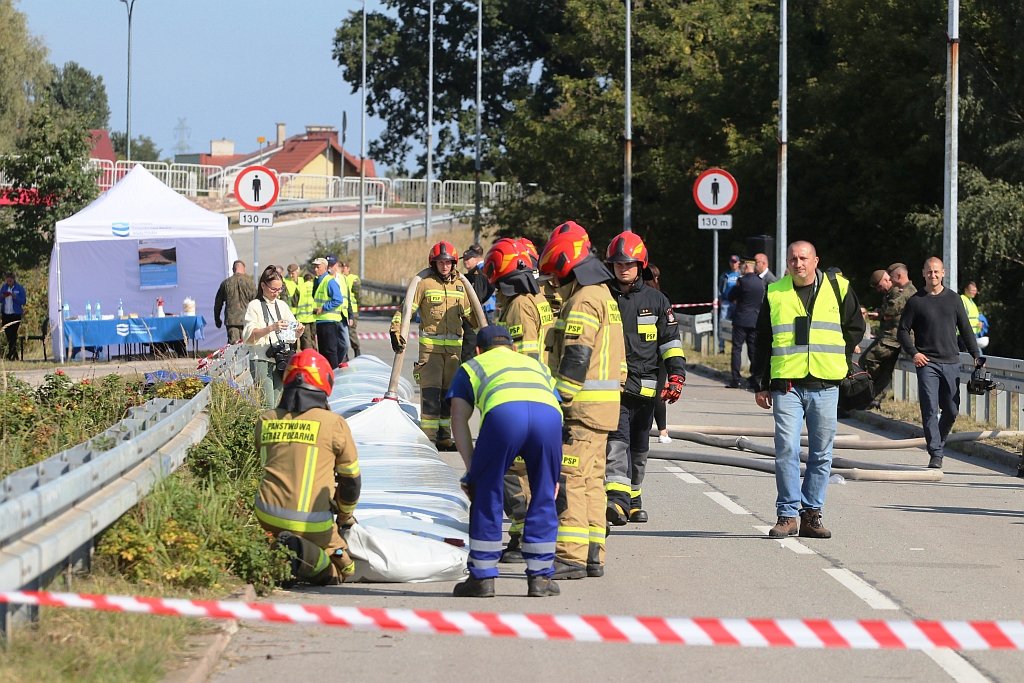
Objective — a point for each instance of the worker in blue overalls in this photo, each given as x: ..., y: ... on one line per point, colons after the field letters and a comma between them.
x: 520, y: 415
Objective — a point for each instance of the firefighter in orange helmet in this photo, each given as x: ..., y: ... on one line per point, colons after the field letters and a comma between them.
x: 587, y: 357
x: 310, y: 470
x: 525, y: 313
x: 443, y: 304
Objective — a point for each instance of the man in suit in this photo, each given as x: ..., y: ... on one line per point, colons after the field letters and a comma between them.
x: 762, y: 270
x: 746, y: 298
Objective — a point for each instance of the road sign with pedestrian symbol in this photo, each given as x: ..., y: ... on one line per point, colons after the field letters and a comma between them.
x: 256, y: 188
x: 715, y: 191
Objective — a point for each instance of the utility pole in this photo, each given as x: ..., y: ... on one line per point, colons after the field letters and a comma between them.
x: 949, y: 177
x: 129, y: 5
x: 782, y: 186
x: 430, y: 119
x: 479, y: 106
x: 362, y: 158
x: 627, y: 173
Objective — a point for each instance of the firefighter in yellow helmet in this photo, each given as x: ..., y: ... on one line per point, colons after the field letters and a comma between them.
x: 587, y: 357
x: 310, y: 473
x: 442, y: 302
x: 526, y: 314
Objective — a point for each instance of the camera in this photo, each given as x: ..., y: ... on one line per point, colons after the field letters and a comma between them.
x: 981, y: 381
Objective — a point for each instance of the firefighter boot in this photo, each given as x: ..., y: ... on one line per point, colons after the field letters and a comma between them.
x: 474, y: 588
x: 513, y: 553
x: 637, y: 514
x: 616, y: 515
x: 594, y: 566
x: 811, y: 526
x: 541, y: 587
x: 568, y: 570
x: 294, y: 546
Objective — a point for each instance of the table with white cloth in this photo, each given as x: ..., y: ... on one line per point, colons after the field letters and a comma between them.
x: 129, y: 332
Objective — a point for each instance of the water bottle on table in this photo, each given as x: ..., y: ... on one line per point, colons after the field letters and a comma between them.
x: 88, y: 311
x: 99, y: 316
x: 120, y: 309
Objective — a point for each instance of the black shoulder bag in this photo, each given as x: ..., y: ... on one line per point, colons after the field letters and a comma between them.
x: 856, y: 390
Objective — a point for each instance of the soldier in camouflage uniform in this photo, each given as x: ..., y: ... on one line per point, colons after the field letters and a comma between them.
x: 879, y: 360
x: 233, y: 296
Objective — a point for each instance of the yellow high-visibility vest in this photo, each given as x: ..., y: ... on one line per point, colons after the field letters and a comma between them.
x: 501, y: 375
x: 824, y: 356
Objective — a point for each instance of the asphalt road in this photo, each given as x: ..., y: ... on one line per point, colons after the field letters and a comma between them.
x: 947, y: 550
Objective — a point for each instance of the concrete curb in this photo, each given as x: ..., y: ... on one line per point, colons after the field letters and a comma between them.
x: 199, y: 667
x: 978, y: 450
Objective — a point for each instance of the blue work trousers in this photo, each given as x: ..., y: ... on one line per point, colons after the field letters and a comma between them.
x: 818, y: 407
x: 533, y: 431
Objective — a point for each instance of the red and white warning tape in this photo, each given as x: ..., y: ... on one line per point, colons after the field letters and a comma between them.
x: 709, y: 303
x: 383, y: 336
x: 871, y: 634
x: 379, y: 308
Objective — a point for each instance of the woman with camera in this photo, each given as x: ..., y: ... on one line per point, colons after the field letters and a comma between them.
x: 270, y: 332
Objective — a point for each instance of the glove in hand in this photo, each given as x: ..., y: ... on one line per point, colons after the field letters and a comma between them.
x: 397, y: 342
x: 673, y: 388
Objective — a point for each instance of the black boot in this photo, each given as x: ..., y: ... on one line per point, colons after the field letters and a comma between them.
x: 513, y: 553
x: 616, y: 515
x: 568, y: 570
x: 637, y: 514
x: 474, y: 588
x: 594, y: 567
x: 541, y: 587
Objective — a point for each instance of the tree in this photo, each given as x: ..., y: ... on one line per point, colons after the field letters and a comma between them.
x: 51, y: 156
x: 23, y: 73
x: 143, y: 147
x: 75, y: 89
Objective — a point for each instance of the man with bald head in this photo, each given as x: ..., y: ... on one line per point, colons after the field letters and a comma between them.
x: 927, y: 334
x: 813, y: 322
x: 762, y: 270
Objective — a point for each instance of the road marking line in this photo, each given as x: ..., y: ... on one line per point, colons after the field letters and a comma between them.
x: 958, y: 668
x: 861, y: 588
x: 789, y: 542
x: 726, y: 502
x: 681, y: 474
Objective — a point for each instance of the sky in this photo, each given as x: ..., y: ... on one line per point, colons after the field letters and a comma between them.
x: 230, y: 68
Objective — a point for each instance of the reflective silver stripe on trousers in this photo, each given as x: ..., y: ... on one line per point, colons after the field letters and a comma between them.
x: 533, y: 564
x: 442, y: 337
x: 813, y: 348
x: 293, y: 515
x: 601, y: 384
x: 485, y: 546
x: 538, y: 548
x: 483, y: 564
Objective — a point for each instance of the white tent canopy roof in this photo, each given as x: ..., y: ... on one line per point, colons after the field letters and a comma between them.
x: 130, y: 207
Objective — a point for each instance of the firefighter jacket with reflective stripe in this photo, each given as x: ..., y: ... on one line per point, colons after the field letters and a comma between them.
x: 442, y: 305
x: 528, y: 319
x: 501, y: 375
x: 807, y: 344
x: 972, y: 313
x: 310, y: 470
x: 304, y: 309
x: 652, y: 335
x: 588, y: 356
x: 328, y: 298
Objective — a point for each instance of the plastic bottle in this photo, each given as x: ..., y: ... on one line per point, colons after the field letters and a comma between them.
x: 120, y: 309
x: 65, y: 311
x: 88, y: 311
x: 837, y: 479
x: 99, y: 316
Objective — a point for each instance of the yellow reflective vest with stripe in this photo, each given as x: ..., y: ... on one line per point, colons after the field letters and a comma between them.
x: 304, y: 308
x: 972, y: 313
x: 527, y: 317
x: 824, y: 354
x: 588, y: 356
x: 501, y: 375
x: 321, y: 296
x: 310, y: 469
x: 442, y: 305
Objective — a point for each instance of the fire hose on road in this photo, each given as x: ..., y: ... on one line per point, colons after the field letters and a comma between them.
x: 736, y: 438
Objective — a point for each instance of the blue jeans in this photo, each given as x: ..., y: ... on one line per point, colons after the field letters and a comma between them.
x: 724, y: 313
x: 938, y: 388
x: 343, y: 341
x: 819, y: 408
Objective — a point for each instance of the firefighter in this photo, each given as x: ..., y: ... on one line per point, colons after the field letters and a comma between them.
x: 443, y: 304
x: 652, y: 337
x: 588, y: 361
x: 310, y: 472
x: 525, y: 313
x: 519, y: 419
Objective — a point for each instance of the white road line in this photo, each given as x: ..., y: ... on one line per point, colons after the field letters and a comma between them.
x: 861, y: 588
x: 726, y: 502
x: 958, y: 668
x: 790, y: 543
x: 685, y: 476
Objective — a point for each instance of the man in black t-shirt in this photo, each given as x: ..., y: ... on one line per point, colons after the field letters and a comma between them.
x: 933, y: 315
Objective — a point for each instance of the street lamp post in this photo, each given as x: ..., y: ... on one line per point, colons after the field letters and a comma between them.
x: 362, y: 156
x: 478, y: 199
x: 129, y: 5
x: 627, y: 171
x: 430, y: 119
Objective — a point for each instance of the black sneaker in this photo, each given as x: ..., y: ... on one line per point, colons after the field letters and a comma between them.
x: 474, y: 588
x: 541, y: 587
x: 935, y: 462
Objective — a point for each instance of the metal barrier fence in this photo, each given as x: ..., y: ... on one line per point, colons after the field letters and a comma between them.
x: 1002, y: 407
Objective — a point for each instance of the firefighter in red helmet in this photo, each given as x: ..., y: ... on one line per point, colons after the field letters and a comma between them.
x: 652, y: 338
x: 587, y: 356
x: 310, y: 471
x: 442, y: 302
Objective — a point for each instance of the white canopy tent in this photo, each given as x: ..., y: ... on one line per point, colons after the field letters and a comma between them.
x: 96, y: 255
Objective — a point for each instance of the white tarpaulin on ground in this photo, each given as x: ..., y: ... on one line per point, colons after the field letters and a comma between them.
x: 96, y: 255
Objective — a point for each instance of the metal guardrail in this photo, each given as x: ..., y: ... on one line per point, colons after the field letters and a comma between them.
x: 51, y: 512
x: 391, y: 231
